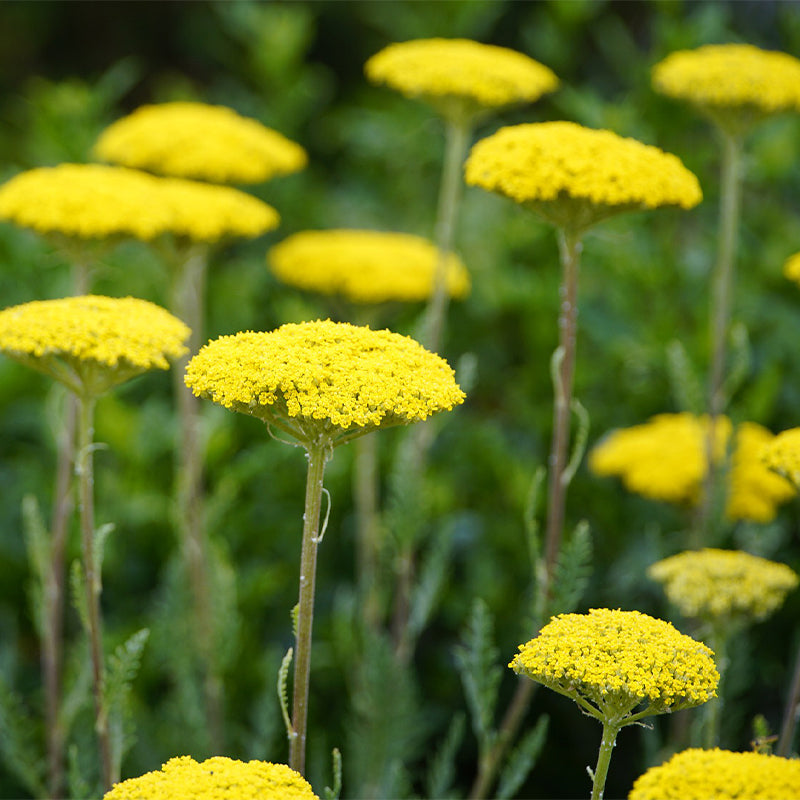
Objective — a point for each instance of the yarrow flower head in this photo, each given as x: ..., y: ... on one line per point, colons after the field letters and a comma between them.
x: 196, y: 140
x: 324, y: 380
x: 92, y: 343
x: 611, y: 662
x: 93, y: 201
x: 791, y: 269
x: 365, y: 266
x: 575, y: 176
x: 220, y: 778
x: 722, y: 585
x: 782, y: 455
x: 719, y: 775
x: 460, y: 78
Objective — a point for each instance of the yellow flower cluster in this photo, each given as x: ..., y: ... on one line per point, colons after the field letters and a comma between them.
x: 95, y: 201
x: 487, y: 75
x: 791, y: 269
x: 547, y: 163
x: 616, y: 660
x: 324, y: 378
x: 217, y: 778
x: 782, y: 454
x: 730, y: 75
x: 665, y: 459
x: 195, y: 140
x: 721, y: 584
x: 365, y: 266
x: 720, y: 775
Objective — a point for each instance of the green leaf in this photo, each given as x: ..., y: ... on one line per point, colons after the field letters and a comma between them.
x: 741, y: 360
x: 686, y: 387
x: 77, y: 585
x: 442, y: 769
x: 37, y: 541
x: 99, y: 544
x: 522, y: 759
x: 431, y: 577
x: 283, y: 692
x: 573, y: 570
x: 333, y: 794
x: 19, y: 742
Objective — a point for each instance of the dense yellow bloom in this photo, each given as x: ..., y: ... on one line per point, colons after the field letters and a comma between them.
x: 94, y: 201
x: 782, y: 454
x: 575, y: 176
x: 666, y: 459
x: 365, y: 266
x: 617, y: 660
x: 195, y: 140
x: 217, y: 778
x: 324, y: 378
x: 791, y: 269
x: 723, y: 584
x: 731, y: 75
x: 91, y: 342
x: 720, y: 775
x: 443, y: 71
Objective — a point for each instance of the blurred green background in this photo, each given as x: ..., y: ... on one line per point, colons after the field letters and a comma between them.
x: 69, y: 69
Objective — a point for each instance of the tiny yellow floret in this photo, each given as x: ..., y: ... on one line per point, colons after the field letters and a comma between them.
x: 217, y: 778
x: 782, y: 455
x: 196, y: 140
x: 720, y: 775
x: 365, y: 266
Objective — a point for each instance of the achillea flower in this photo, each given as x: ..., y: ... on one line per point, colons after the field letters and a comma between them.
x: 91, y: 343
x: 90, y: 201
x: 219, y: 777
x: 460, y: 77
x: 324, y: 379
x: 719, y: 775
x: 782, y: 455
x: 611, y: 662
x: 195, y: 140
x: 718, y: 585
x: 365, y: 266
x: 791, y: 269
x: 575, y: 176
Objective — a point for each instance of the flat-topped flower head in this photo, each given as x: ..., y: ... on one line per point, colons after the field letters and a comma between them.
x: 217, y: 778
x: 460, y: 78
x: 90, y: 342
x: 575, y: 176
x: 791, y: 269
x: 782, y: 455
x: 93, y: 201
x: 612, y: 662
x: 720, y: 585
x: 720, y: 775
x: 365, y: 266
x: 196, y: 140
x: 323, y: 380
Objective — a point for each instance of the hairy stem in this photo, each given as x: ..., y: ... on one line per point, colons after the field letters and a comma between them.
x: 610, y: 731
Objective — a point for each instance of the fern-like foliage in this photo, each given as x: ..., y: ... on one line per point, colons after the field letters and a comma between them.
x: 573, y: 570
x: 687, y: 389
x: 19, y: 742
x: 522, y: 759
x: 332, y: 793
x: 442, y: 769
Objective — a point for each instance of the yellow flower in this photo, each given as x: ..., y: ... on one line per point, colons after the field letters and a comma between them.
x: 460, y: 77
x: 782, y: 454
x: 195, y: 140
x: 722, y: 584
x: 610, y: 662
x: 791, y: 269
x: 575, y: 176
x: 324, y: 379
x: 720, y: 775
x: 217, y: 778
x: 91, y: 343
x: 364, y: 266
x: 91, y: 201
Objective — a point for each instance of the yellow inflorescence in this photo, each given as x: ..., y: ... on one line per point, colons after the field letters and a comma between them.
x: 488, y: 75
x: 617, y: 660
x: 365, y: 266
x: 731, y: 75
x: 791, y: 269
x: 782, y: 454
x: 720, y: 775
x: 547, y: 161
x: 718, y: 584
x: 195, y: 140
x: 217, y: 778
x: 321, y: 374
x: 95, y: 201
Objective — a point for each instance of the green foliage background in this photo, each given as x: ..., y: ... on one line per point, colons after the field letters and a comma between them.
x: 68, y: 69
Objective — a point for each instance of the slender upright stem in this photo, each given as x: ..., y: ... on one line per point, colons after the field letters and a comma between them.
x: 610, y: 731
x: 365, y: 495
x: 718, y: 641
x: 790, y: 713
x: 317, y: 454
x: 93, y: 583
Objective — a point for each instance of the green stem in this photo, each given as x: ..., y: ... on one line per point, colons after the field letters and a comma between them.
x: 317, y: 454
x: 718, y: 641
x: 365, y: 492
x: 610, y: 731
x: 92, y: 581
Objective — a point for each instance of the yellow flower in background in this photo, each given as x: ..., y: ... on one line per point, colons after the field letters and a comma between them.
x: 719, y: 775
x: 460, y: 77
x: 196, y: 140
x: 723, y: 584
x: 324, y: 379
x: 611, y: 662
x: 365, y: 266
x: 90, y: 342
x: 575, y: 176
x: 791, y: 269
x: 782, y: 455
x: 219, y: 778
